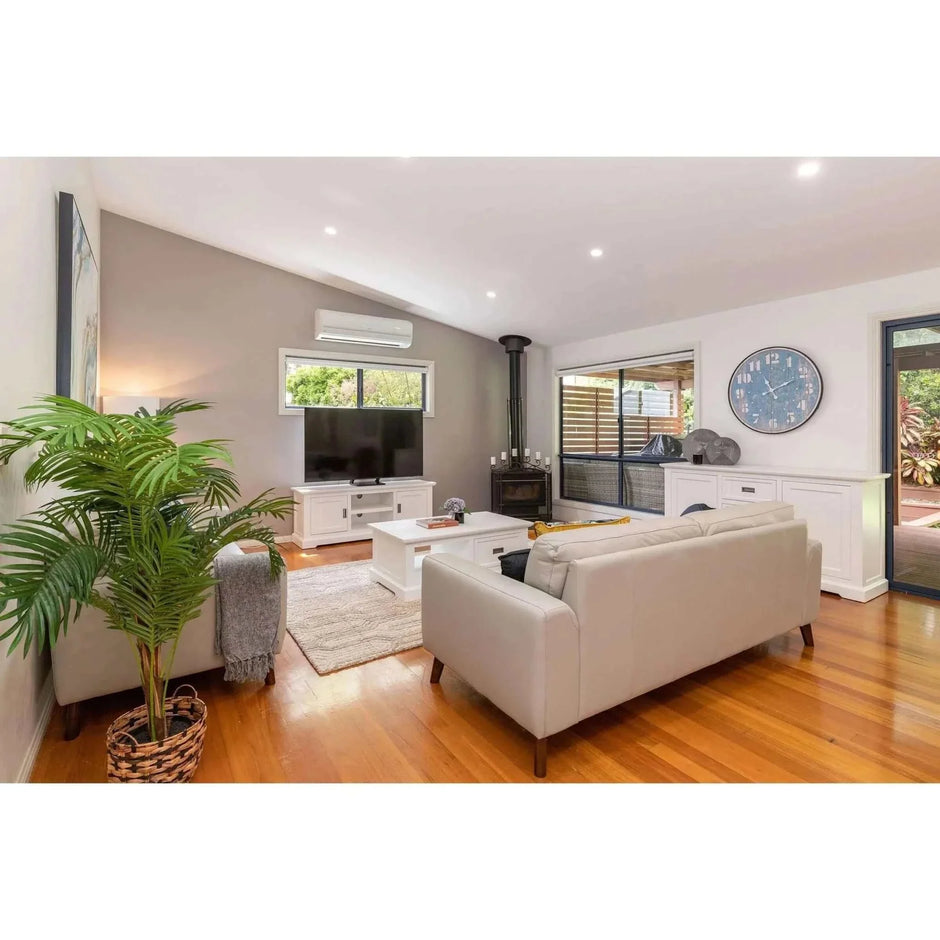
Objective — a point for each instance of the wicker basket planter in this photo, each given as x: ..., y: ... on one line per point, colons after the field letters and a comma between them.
x: 173, y: 760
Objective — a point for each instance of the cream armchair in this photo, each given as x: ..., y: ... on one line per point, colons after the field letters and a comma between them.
x: 90, y: 660
x: 605, y: 616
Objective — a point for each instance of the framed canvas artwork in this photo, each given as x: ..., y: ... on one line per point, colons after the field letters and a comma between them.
x: 77, y: 308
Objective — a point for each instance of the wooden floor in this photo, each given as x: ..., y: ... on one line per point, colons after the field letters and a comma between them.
x: 863, y: 705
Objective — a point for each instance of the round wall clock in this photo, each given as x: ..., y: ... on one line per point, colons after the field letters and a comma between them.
x: 775, y: 389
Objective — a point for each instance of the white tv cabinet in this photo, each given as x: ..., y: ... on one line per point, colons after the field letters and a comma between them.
x: 845, y: 511
x: 326, y: 513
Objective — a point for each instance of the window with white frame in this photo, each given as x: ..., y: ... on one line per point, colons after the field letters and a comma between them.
x: 308, y: 379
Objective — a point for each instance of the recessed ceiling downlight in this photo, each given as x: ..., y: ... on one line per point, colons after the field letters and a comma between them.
x: 329, y: 230
x: 491, y: 294
x: 597, y: 252
x: 808, y: 169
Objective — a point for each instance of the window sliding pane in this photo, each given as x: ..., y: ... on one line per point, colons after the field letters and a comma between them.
x: 656, y: 399
x: 392, y: 388
x: 315, y: 385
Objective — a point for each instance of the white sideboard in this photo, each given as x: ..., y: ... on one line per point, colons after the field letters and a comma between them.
x: 326, y: 513
x: 843, y: 510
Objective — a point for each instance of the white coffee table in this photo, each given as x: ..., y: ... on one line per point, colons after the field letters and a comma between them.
x: 399, y: 548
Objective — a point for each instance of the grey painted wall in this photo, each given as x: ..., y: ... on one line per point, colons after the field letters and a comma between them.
x: 180, y: 319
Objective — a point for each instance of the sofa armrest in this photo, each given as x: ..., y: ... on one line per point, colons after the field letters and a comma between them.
x: 813, y: 580
x: 516, y: 645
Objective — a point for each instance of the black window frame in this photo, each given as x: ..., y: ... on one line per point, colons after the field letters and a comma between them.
x: 619, y: 459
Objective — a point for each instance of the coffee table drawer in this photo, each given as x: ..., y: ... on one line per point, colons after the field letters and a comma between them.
x: 487, y: 551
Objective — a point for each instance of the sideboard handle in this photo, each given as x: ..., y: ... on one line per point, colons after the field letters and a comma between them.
x: 496, y: 551
x: 748, y: 489
x: 344, y: 513
x: 399, y: 507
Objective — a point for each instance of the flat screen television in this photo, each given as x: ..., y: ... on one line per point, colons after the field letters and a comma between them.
x: 362, y: 443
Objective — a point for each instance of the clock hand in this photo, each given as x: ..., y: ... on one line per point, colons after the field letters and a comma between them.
x: 770, y: 389
x: 776, y: 388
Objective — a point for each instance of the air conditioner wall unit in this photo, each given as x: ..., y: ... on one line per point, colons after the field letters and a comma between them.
x: 335, y: 326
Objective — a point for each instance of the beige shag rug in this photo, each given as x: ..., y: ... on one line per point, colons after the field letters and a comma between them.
x: 340, y: 617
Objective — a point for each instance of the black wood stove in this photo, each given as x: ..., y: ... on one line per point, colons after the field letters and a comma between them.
x: 519, y: 488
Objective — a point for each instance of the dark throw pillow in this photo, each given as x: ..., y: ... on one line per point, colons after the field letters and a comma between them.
x: 695, y: 507
x: 513, y: 563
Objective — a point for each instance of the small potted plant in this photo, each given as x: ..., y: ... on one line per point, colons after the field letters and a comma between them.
x: 456, y: 507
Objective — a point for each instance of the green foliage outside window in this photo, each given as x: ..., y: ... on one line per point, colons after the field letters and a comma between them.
x: 336, y: 387
x: 390, y: 388
x: 321, y: 385
x: 921, y: 387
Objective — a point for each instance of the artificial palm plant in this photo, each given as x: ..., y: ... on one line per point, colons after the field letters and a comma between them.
x: 133, y: 534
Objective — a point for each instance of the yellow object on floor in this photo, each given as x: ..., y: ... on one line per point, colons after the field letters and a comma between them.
x: 542, y: 528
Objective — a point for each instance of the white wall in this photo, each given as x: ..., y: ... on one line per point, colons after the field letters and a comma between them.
x: 838, y: 329
x: 28, y: 205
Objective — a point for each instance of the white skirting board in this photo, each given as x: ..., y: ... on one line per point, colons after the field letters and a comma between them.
x: 46, y: 701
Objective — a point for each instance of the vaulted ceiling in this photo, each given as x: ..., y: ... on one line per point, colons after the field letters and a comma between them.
x: 679, y: 237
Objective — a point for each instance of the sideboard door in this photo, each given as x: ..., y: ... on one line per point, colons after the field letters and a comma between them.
x: 827, y: 509
x: 686, y: 489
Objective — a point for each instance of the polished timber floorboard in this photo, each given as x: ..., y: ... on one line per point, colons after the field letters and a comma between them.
x: 863, y: 705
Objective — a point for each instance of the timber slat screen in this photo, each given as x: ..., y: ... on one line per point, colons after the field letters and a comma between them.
x: 589, y: 421
x: 590, y: 424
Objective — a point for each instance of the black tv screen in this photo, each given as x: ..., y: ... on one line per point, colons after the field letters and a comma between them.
x: 362, y: 443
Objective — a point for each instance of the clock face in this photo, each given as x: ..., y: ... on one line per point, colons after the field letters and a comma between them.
x: 775, y: 390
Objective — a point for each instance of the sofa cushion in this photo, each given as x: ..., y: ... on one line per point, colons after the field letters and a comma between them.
x: 747, y: 516
x: 544, y: 528
x: 550, y: 555
x: 512, y: 564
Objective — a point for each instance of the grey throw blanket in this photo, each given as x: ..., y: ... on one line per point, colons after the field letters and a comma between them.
x: 248, y: 609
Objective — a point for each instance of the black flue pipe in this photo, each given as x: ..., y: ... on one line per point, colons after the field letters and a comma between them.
x: 515, y: 346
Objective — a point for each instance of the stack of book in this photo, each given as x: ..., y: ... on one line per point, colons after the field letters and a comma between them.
x: 437, y: 522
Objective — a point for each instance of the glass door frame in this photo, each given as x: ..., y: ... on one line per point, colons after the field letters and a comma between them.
x: 889, y: 439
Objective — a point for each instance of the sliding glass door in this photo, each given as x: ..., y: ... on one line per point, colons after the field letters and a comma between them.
x: 912, y: 454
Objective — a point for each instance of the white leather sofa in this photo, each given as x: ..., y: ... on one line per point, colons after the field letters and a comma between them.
x: 609, y: 613
x: 90, y: 660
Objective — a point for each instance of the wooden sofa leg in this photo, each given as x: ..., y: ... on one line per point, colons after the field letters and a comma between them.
x: 807, y: 631
x: 270, y: 678
x: 541, y: 757
x: 73, y: 721
x: 436, y: 669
